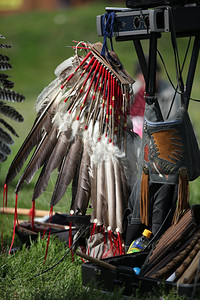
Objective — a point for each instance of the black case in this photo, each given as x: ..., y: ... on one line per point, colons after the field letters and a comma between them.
x: 153, y: 3
x: 124, y: 276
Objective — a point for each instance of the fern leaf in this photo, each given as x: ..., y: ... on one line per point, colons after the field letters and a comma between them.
x: 5, y: 137
x: 11, y: 96
x: 4, y: 149
x: 10, y: 112
x: 4, y: 57
x: 5, y: 66
x: 9, y: 127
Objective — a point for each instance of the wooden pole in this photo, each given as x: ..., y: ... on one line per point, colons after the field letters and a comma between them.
x: 96, y: 261
x: 24, y: 211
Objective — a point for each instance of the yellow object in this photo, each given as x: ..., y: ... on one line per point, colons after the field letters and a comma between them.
x: 147, y: 233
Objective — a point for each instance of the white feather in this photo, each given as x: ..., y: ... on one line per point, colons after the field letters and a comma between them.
x: 66, y: 64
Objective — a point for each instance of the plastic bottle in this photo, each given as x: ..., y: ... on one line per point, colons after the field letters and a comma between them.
x: 140, y: 243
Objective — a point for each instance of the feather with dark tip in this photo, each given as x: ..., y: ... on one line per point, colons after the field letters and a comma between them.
x: 40, y: 155
x: 9, y: 127
x: 10, y: 112
x: 5, y: 137
x: 83, y: 193
x: 11, y: 95
x: 67, y: 171
x: 54, y: 162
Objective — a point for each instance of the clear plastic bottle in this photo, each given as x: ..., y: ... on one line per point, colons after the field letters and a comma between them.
x: 139, y: 244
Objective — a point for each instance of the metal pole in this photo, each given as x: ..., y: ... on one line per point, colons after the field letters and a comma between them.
x: 192, y: 68
x: 151, y: 78
x: 141, y: 57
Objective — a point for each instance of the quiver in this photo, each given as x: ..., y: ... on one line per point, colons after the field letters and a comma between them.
x: 170, y: 155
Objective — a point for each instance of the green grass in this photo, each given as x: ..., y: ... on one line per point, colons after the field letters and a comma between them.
x: 38, y: 46
x: 22, y: 278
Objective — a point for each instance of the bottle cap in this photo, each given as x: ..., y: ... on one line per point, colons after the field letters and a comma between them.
x: 147, y: 233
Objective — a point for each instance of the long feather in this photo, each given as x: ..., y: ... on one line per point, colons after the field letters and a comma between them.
x: 67, y: 170
x: 121, y: 201
x: 101, y: 201
x: 110, y: 184
x: 54, y: 162
x: 93, y: 182
x: 83, y: 193
x: 31, y: 140
x: 41, y: 154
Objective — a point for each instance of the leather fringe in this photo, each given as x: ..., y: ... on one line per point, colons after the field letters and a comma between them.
x: 183, y: 195
x: 144, y: 196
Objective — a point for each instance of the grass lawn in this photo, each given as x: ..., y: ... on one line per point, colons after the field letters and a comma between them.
x: 39, y: 41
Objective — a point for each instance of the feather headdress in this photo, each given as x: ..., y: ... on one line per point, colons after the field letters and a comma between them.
x: 81, y: 130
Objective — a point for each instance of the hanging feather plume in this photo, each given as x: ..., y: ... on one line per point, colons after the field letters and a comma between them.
x: 87, y: 107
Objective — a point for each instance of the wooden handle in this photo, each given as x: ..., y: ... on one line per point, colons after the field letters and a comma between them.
x: 96, y: 261
x: 24, y: 211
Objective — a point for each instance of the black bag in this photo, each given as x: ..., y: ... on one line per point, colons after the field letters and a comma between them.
x: 170, y: 155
